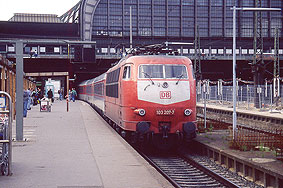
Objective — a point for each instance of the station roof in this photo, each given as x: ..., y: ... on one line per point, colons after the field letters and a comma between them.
x: 43, y: 18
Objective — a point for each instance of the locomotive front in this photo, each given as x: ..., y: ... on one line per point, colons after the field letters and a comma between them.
x: 166, y: 97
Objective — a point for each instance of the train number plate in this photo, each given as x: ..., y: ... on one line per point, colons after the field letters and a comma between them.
x: 163, y: 112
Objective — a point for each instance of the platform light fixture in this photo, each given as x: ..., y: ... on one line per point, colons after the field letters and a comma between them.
x: 234, y: 56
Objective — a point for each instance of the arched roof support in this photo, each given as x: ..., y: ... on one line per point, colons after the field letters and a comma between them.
x: 87, y: 10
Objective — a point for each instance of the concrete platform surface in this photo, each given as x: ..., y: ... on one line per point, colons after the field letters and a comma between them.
x: 76, y: 149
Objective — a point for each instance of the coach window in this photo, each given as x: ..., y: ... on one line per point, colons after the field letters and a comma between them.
x: 127, y: 72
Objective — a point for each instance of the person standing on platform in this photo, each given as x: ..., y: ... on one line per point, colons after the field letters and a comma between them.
x: 70, y: 95
x: 40, y: 95
x: 29, y: 99
x: 60, y: 94
x: 50, y: 95
x: 74, y: 94
x: 25, y: 99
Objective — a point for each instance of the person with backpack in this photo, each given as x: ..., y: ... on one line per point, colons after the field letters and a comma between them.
x: 50, y: 95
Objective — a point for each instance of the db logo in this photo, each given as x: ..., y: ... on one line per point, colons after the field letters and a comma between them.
x: 165, y: 94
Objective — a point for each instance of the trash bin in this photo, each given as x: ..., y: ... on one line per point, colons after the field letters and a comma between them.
x: 45, y: 105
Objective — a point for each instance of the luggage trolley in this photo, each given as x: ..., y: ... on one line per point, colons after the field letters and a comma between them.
x: 45, y: 105
x: 5, y: 133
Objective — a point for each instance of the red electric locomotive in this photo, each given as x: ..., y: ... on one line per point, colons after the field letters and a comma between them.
x: 147, y: 96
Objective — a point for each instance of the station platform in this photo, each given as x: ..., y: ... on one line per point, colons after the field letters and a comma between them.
x: 259, y: 166
x: 75, y: 149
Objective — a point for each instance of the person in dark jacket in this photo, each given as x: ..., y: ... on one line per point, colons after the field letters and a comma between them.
x: 50, y: 95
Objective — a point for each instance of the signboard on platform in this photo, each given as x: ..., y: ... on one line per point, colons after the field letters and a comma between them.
x: 44, y: 103
x: 2, y: 102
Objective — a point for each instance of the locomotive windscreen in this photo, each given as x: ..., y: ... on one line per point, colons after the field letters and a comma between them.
x: 163, y: 71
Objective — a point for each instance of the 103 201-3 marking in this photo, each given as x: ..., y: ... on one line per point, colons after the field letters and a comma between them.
x: 161, y: 112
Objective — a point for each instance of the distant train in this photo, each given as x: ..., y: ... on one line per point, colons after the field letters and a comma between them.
x: 147, y: 97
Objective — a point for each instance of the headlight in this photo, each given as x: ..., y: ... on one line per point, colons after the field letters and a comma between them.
x: 188, y: 112
x: 140, y: 112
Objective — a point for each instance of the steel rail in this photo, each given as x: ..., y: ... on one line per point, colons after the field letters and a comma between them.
x: 216, y: 176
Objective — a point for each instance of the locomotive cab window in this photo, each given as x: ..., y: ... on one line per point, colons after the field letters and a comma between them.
x: 127, y: 72
x: 163, y: 71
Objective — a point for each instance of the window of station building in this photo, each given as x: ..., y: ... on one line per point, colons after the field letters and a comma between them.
x: 202, y: 2
x: 231, y: 2
x: 117, y: 1
x: 159, y: 21
x: 203, y: 26
x: 131, y: 2
x: 50, y: 49
x: 3, y: 48
x: 216, y: 27
x: 11, y: 49
x: 160, y: 2
x: 159, y: 10
x: 145, y: 2
x: 247, y: 27
x: 188, y: 32
x: 115, y: 21
x: 174, y: 21
x: 101, y: 8
x: 42, y: 50
x: 27, y: 50
x: 145, y: 31
x: 188, y: 11
x: 276, y: 3
x: 173, y: 2
x: 127, y: 10
x: 145, y: 10
x: 216, y: 2
x: 64, y: 50
x: 101, y: 20
x: 174, y: 31
x: 229, y: 27
x: 57, y: 50
x: 116, y: 9
x: 159, y: 31
x: 174, y: 10
x: 248, y: 3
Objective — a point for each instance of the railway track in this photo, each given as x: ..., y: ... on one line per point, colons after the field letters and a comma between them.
x: 184, y: 173
x: 191, y: 171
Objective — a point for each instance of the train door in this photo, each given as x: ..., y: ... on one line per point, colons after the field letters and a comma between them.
x: 126, y: 76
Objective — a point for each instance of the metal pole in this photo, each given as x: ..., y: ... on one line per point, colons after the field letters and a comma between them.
x: 131, y: 28
x: 19, y: 90
x: 205, y: 91
x: 271, y: 97
x: 234, y: 73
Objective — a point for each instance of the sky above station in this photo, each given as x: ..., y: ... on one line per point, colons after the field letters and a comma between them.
x: 59, y: 7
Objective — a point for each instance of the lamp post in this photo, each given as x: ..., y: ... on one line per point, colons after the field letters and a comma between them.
x: 234, y: 56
